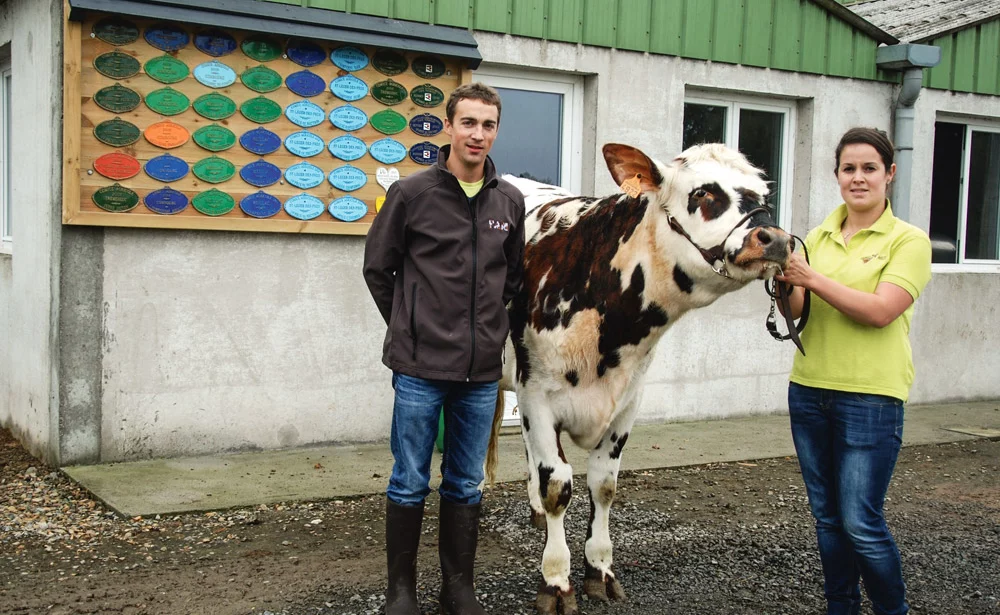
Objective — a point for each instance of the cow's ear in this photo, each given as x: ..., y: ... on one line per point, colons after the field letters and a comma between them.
x: 626, y: 162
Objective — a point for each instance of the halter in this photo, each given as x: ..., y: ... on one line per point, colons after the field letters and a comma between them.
x: 715, y: 254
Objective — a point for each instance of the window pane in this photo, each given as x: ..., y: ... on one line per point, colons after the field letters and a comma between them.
x: 529, y: 143
x: 946, y: 191
x: 704, y: 124
x: 760, y: 141
x: 982, y: 224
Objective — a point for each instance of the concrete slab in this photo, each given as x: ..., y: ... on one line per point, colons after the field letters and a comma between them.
x: 215, y: 482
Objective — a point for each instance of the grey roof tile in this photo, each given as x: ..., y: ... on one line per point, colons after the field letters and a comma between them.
x: 914, y: 21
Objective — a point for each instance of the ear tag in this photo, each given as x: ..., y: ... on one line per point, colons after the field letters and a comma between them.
x: 632, y: 187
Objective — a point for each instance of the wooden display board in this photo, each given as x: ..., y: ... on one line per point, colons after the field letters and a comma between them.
x: 82, y: 148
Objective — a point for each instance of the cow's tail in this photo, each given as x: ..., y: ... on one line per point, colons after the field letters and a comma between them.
x: 493, y: 452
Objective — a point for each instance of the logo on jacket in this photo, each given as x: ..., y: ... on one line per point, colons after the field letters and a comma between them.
x: 497, y: 225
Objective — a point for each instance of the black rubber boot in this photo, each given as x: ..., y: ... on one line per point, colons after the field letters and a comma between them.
x: 457, y: 548
x: 402, y: 537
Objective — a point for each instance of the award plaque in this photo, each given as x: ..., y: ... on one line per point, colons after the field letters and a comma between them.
x: 349, y: 58
x: 260, y: 205
x: 388, y: 92
x: 116, y: 31
x: 167, y: 134
x: 165, y: 201
x: 117, y: 98
x: 428, y: 67
x: 116, y: 65
x: 304, y: 207
x: 305, y: 53
x: 426, y: 125
x: 348, y: 118
x: 348, y: 209
x: 117, y: 166
x: 214, y: 138
x: 166, y: 69
x: 426, y: 95
x: 117, y: 132
x: 304, y: 175
x: 387, y: 151
x: 305, y: 83
x: 386, y: 177
x: 348, y: 178
x: 347, y: 148
x: 261, y: 48
x: 261, y: 110
x: 389, y: 62
x: 304, y: 144
x: 261, y: 79
x: 167, y: 101
x: 215, y: 43
x: 166, y: 168
x: 305, y: 114
x: 349, y: 88
x: 115, y: 198
x: 214, y: 74
x: 260, y: 141
x: 166, y: 37
x: 214, y: 170
x: 213, y: 202
x: 214, y: 106
x: 424, y: 153
x: 388, y: 122
x: 260, y: 173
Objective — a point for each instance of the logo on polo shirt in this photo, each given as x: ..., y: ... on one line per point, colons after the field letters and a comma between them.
x: 866, y: 259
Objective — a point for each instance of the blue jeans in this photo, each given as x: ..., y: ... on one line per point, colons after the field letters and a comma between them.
x: 468, y: 420
x: 847, y: 445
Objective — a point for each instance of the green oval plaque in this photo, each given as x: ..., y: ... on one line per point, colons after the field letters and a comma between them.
x: 428, y: 67
x: 261, y: 48
x: 214, y: 106
x: 214, y: 138
x: 116, y: 65
x: 261, y: 79
x: 213, y: 202
x: 214, y: 170
x: 117, y: 98
x: 116, y: 31
x: 116, y: 198
x: 117, y: 132
x: 389, y: 62
x: 427, y: 95
x: 388, y: 122
x: 261, y: 110
x: 167, y: 101
x: 388, y: 92
x: 166, y: 69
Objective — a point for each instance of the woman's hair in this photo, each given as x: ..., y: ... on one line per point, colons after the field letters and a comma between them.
x: 868, y: 136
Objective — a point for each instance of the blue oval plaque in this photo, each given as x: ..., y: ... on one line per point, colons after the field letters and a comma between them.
x: 215, y: 42
x: 348, y: 148
x: 214, y: 74
x: 305, y: 53
x: 304, y: 143
x: 349, y: 58
x: 426, y: 125
x: 349, y: 88
x: 166, y: 168
x: 348, y: 178
x: 260, y: 173
x: 424, y: 153
x: 305, y: 114
x: 348, y: 209
x: 260, y: 205
x: 348, y: 117
x: 304, y: 175
x: 304, y: 206
x: 305, y: 83
x: 165, y: 201
x: 387, y: 151
x: 166, y: 37
x: 260, y: 141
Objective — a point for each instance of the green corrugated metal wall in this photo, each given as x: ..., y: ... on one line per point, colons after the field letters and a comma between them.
x: 796, y: 35
x: 970, y: 60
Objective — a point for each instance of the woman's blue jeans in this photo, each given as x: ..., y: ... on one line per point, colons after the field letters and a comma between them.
x: 468, y: 420
x: 847, y: 445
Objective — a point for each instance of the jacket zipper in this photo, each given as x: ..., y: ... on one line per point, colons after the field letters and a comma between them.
x: 413, y: 320
x: 475, y: 268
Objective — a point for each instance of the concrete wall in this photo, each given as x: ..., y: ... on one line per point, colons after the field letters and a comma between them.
x: 28, y: 291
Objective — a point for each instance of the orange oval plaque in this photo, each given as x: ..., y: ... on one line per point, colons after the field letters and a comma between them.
x: 167, y: 135
x: 117, y: 166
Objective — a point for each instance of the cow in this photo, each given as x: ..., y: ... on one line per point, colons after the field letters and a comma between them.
x: 604, y: 278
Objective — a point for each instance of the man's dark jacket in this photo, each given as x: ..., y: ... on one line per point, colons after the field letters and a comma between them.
x: 442, y: 269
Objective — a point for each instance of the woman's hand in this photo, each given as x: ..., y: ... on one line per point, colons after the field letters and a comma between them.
x: 797, y: 272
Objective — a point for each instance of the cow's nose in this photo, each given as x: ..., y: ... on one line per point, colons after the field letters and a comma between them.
x: 775, y: 243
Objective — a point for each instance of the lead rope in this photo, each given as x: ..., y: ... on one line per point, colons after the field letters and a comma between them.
x: 779, y: 291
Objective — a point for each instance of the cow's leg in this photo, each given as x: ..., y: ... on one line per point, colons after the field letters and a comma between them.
x: 534, y: 497
x: 599, y: 582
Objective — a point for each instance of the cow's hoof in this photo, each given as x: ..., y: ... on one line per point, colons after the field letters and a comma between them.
x: 538, y: 519
x: 553, y: 601
x: 605, y: 590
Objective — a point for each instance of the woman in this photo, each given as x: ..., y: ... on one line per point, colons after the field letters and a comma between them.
x: 847, y: 392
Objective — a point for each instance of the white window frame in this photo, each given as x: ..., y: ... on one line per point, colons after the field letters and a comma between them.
x: 6, y: 207
x: 733, y: 105
x: 571, y: 87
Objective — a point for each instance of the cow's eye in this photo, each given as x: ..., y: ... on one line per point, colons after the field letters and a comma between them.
x: 700, y: 193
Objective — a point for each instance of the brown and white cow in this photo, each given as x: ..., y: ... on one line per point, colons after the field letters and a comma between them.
x: 604, y: 279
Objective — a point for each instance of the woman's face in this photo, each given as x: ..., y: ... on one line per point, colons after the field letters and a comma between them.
x: 863, y: 177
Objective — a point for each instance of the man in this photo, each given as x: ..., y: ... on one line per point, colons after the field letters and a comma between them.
x: 442, y: 260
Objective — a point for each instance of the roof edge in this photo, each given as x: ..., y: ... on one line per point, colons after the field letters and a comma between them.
x: 858, y: 22
x: 950, y: 31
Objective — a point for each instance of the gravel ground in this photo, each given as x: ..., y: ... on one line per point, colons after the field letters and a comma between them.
x: 722, y: 539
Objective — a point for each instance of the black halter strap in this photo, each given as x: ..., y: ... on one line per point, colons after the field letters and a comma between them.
x: 715, y: 254
x: 781, y: 292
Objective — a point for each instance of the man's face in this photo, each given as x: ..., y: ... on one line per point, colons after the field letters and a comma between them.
x: 473, y: 131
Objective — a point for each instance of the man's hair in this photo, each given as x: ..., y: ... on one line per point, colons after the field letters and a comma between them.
x: 867, y: 136
x: 472, y: 91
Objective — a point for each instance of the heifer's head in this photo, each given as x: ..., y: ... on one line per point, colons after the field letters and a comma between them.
x: 714, y: 205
